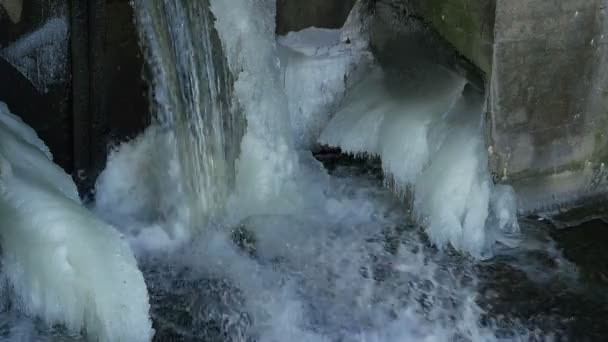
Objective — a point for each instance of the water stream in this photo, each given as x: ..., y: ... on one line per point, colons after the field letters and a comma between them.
x: 241, y: 233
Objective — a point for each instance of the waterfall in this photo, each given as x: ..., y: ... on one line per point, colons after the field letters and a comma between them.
x: 215, y: 65
x: 192, y: 96
x: 222, y: 103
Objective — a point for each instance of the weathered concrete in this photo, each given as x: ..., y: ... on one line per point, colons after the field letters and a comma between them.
x: 34, y: 67
x: 548, y: 102
x: 294, y: 15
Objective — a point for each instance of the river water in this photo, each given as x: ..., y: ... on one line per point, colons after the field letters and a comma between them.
x: 354, y: 269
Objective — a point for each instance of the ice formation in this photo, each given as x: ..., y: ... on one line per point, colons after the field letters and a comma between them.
x: 317, y: 65
x: 13, y: 8
x: 268, y: 165
x: 426, y: 129
x: 319, y: 244
x: 41, y: 55
x: 20, y: 145
x: 64, y: 265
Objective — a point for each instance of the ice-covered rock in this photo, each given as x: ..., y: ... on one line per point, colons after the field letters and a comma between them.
x: 41, y: 56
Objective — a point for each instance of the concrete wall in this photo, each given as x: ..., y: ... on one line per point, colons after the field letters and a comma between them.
x: 548, y: 102
x: 467, y: 24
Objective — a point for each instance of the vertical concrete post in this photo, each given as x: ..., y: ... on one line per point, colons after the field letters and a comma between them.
x: 88, y: 89
x: 80, y: 86
x: 97, y: 87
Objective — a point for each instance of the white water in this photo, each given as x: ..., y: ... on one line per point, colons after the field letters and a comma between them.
x: 62, y: 264
x: 192, y: 101
x: 318, y: 267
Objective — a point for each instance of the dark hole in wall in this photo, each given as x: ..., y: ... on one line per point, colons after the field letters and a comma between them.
x: 295, y: 15
x: 127, y: 93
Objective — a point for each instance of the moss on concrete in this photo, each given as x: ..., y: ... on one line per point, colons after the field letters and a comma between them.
x: 466, y: 24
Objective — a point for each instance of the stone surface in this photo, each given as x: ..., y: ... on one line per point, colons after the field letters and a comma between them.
x: 548, y: 100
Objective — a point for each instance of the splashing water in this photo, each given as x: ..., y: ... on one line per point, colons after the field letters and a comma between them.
x: 242, y: 236
x: 192, y: 98
x: 301, y: 255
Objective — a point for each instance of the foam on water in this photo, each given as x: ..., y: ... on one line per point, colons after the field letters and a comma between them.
x: 63, y: 265
x: 142, y: 192
x: 328, y: 273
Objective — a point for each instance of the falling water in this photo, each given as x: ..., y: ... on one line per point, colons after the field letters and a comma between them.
x: 306, y: 251
x: 192, y: 97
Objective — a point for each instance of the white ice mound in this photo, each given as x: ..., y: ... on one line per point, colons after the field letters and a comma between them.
x: 428, y: 136
x: 19, y: 128
x: 267, y: 166
x: 317, y: 64
x: 22, y: 147
x: 64, y: 265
